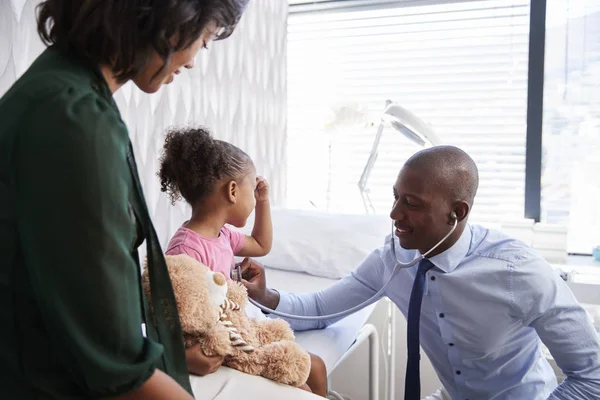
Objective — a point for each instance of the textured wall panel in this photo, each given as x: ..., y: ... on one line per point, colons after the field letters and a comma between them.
x: 237, y: 89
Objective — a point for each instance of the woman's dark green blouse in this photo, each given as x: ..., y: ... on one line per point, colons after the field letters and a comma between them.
x: 70, y: 299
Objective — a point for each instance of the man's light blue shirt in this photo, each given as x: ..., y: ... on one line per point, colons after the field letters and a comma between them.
x: 489, y: 303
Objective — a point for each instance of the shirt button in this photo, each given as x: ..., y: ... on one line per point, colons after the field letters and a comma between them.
x: 457, y: 372
x: 450, y: 344
x: 441, y: 315
x: 433, y: 278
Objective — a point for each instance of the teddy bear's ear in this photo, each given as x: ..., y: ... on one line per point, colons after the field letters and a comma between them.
x: 145, y: 267
x: 145, y: 277
x: 146, y: 287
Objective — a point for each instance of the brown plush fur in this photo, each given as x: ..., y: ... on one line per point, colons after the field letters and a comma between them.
x: 276, y: 356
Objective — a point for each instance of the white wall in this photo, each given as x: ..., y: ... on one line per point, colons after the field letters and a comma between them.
x: 238, y: 90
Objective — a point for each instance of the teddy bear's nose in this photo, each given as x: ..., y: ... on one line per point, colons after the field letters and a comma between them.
x: 219, y: 279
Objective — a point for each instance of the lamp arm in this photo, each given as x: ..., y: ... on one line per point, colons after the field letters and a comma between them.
x: 364, y: 177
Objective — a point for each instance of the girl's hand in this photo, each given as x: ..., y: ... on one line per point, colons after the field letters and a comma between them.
x: 199, y: 363
x: 261, y: 193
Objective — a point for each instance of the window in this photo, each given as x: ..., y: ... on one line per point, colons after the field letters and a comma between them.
x: 459, y: 66
x: 571, y: 123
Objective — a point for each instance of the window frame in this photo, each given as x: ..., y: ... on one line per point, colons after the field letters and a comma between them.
x: 535, y: 84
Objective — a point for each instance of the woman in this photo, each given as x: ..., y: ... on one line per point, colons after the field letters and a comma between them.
x: 72, y: 212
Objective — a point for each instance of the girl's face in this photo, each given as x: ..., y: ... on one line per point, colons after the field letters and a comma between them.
x: 149, y: 83
x: 244, y: 200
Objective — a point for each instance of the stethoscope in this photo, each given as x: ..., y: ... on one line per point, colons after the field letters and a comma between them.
x: 237, y: 275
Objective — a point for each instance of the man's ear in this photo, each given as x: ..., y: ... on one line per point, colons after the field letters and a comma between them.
x: 232, y: 191
x: 461, y: 208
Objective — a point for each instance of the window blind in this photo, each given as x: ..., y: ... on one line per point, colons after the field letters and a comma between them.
x: 460, y: 66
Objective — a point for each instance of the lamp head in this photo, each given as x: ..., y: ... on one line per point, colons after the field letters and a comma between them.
x: 409, y: 125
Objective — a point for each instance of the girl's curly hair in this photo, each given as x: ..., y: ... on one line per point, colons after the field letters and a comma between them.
x: 193, y: 161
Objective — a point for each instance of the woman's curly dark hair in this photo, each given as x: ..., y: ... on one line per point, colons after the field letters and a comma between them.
x: 124, y: 33
x: 192, y: 161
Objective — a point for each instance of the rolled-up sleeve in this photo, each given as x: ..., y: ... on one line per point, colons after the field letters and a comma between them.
x: 72, y: 195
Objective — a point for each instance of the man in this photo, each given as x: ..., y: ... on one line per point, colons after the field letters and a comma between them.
x: 480, y: 303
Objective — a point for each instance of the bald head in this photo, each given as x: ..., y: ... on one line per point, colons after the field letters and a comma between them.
x: 450, y: 169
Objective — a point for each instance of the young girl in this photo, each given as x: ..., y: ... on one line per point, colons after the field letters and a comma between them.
x: 219, y: 182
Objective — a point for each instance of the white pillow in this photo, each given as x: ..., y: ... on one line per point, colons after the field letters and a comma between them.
x: 322, y: 244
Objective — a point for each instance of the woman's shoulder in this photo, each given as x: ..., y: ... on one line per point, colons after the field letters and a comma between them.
x: 64, y: 87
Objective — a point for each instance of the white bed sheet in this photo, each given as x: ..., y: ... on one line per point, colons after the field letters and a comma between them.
x: 332, y: 342
x: 230, y: 384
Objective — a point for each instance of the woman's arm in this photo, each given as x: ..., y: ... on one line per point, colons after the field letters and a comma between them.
x: 72, y: 189
x: 260, y: 242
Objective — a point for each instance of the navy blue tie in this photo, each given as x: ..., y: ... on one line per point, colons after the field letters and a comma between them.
x: 412, y: 384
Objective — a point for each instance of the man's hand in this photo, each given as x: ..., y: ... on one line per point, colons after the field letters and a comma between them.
x: 255, y: 280
x: 261, y: 193
x: 253, y: 277
x: 199, y: 363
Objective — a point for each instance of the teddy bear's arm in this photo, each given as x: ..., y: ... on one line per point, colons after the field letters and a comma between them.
x: 217, y: 341
x: 273, y: 330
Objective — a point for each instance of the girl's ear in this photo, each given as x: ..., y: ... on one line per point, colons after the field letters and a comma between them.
x: 232, y: 191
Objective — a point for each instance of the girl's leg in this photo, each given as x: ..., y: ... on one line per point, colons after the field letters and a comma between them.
x: 317, y: 378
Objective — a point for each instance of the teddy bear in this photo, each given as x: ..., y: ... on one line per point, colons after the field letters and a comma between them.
x: 211, y: 311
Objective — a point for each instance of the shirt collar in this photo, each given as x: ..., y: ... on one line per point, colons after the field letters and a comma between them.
x: 448, y: 260
x: 88, y: 70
